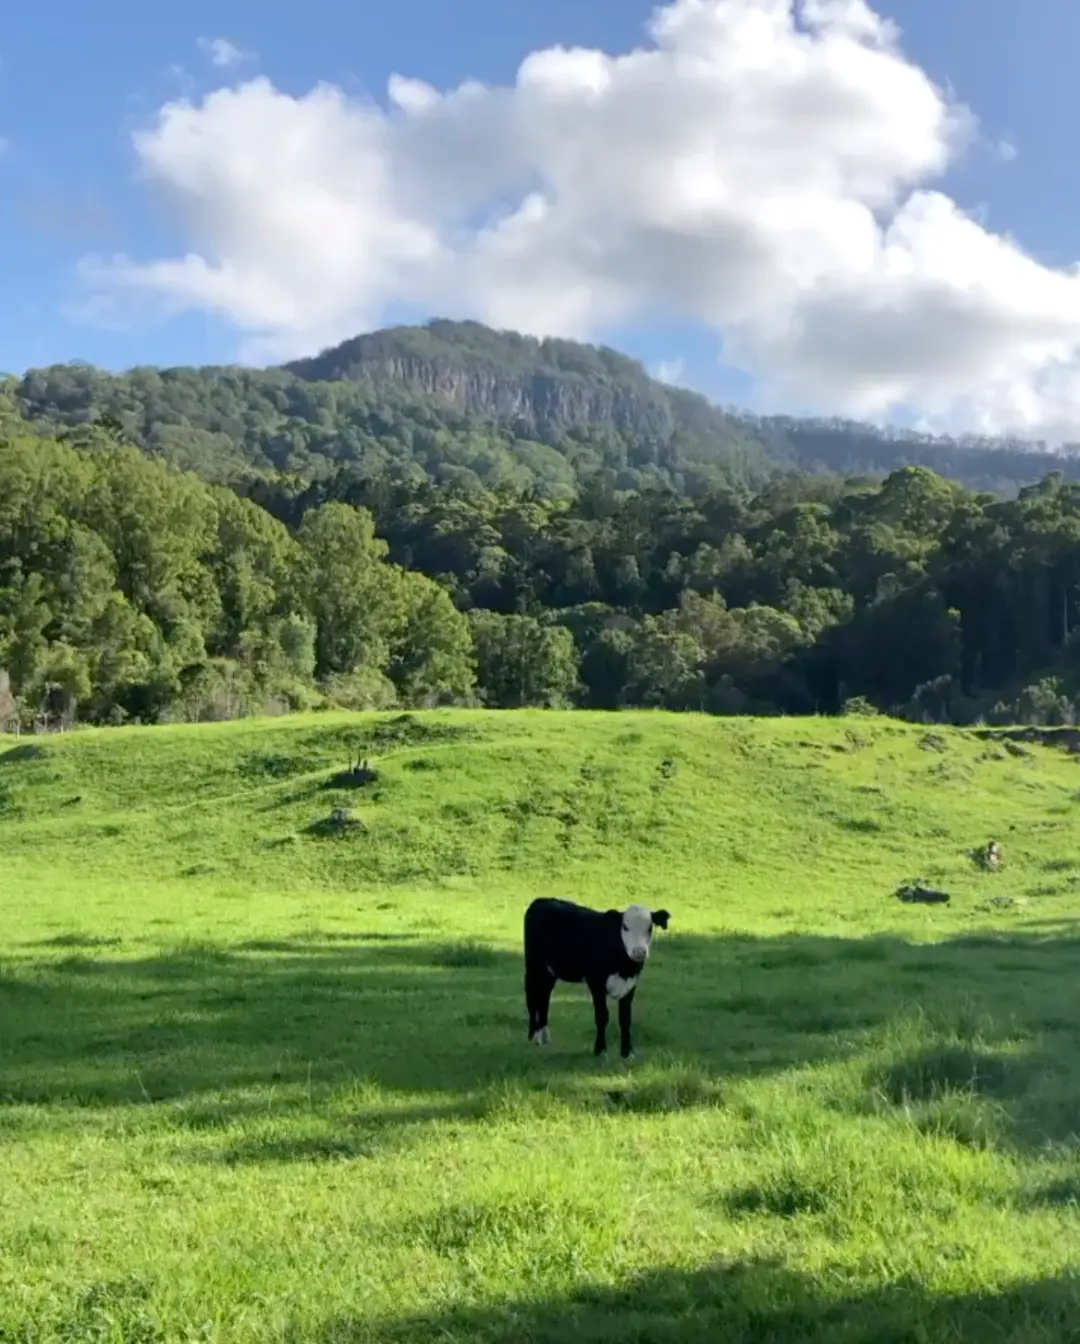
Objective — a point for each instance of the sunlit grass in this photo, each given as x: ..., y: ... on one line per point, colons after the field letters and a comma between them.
x: 266, y: 1078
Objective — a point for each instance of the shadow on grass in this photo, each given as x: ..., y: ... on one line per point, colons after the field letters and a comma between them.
x: 1059, y: 1194
x: 27, y: 751
x: 79, y: 940
x: 976, y: 1038
x: 748, y: 1303
x: 726, y: 1302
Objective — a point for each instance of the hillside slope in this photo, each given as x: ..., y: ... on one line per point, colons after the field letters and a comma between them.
x: 808, y: 822
x: 256, y: 1073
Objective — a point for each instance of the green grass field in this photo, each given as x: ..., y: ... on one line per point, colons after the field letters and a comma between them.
x: 262, y: 1081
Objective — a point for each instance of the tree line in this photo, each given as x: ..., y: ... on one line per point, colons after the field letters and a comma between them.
x: 130, y: 591
x: 133, y: 592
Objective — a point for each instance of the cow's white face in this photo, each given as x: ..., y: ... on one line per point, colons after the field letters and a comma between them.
x: 637, y: 927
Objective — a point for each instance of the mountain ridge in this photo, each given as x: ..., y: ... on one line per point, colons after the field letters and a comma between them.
x: 469, y: 348
x: 460, y: 401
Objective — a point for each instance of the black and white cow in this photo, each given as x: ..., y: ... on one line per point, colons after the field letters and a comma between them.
x: 605, y: 948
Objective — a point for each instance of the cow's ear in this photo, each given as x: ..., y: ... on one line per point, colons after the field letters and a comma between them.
x: 660, y: 918
x: 615, y: 915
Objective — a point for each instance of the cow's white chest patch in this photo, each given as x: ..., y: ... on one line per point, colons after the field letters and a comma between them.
x: 618, y: 987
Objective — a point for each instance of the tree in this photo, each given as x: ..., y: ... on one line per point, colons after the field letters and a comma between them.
x: 521, y: 662
x: 432, y: 650
x: 607, y: 665
x: 9, y: 706
x: 345, y: 589
x: 666, y: 667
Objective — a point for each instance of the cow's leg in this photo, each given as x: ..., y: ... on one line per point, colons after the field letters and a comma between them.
x: 625, y: 1044
x: 600, y: 1010
x: 539, y: 982
x: 532, y: 998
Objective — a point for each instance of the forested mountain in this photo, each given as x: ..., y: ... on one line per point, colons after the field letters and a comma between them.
x: 513, y: 522
x: 507, y: 376
x: 847, y: 448
x: 551, y: 385
x: 408, y: 421
x: 455, y: 402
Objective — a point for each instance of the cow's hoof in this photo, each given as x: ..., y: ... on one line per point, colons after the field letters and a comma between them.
x: 629, y: 1056
x: 543, y: 1036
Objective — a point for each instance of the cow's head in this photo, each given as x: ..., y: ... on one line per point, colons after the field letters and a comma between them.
x: 638, y: 922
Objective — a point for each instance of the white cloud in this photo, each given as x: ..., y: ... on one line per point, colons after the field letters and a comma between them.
x: 670, y: 371
x: 221, y: 52
x: 768, y: 168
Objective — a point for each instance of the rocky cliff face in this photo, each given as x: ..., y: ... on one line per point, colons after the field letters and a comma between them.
x: 541, y: 398
x: 503, y: 376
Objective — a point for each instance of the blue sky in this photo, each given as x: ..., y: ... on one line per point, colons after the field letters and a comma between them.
x: 77, y: 80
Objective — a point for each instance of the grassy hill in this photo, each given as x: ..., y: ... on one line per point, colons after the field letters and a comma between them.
x: 264, y: 1079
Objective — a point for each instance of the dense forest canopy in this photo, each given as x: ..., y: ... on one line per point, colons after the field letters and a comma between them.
x: 131, y: 591
x: 194, y: 543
